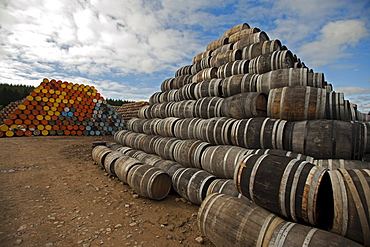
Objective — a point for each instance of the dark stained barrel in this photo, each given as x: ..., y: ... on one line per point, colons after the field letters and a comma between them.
x: 326, y: 139
x: 295, y: 189
x: 181, y: 80
x: 239, y: 84
x: 136, y: 124
x: 208, y: 107
x: 165, y: 127
x: 168, y: 166
x: 233, y: 68
x: 333, y: 164
x: 201, y: 64
x: 271, y: 61
x: 109, y: 161
x: 245, y: 105
x: 184, y: 109
x: 284, y: 153
x: 230, y: 221
x: 185, y: 70
x: 192, y: 184
x: 297, y: 103
x: 221, y: 160
x: 164, y: 147
x: 254, y: 50
x: 216, y: 130
x: 351, y: 192
x: 149, y: 181
x: 148, y: 143
x: 187, y: 92
x: 208, y: 88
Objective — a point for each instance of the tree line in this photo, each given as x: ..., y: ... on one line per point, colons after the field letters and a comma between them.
x: 117, y: 102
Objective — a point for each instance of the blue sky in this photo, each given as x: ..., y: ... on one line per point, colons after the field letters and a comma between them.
x: 127, y: 48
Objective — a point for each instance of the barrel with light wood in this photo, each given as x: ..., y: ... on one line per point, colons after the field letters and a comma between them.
x: 192, y: 184
x: 201, y: 64
x: 123, y: 165
x: 201, y: 55
x: 205, y: 74
x: 297, y: 103
x: 326, y: 139
x: 233, y: 68
x: 225, y: 57
x: 230, y: 221
x: 351, y: 190
x: 333, y: 164
x: 244, y: 105
x: 271, y: 61
x: 168, y: 166
x: 295, y: 189
x: 136, y: 124
x: 258, y: 37
x: 149, y: 181
x: 259, y: 132
x: 236, y: 29
x: 243, y: 33
x: 208, y: 107
x: 217, y: 43
x: 99, y: 153
x: 223, y: 186
x: 222, y: 49
x: 208, y: 88
x: 239, y: 84
x: 221, y: 160
x: 188, y: 153
x: 254, y: 50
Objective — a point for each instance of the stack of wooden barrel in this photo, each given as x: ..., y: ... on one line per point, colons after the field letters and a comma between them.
x: 131, y: 110
x: 61, y: 108
x: 8, y: 109
x: 249, y: 120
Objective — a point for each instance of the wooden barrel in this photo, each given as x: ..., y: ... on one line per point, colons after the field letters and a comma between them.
x: 222, y: 49
x: 316, y: 80
x: 283, y: 153
x: 185, y: 70
x: 208, y: 88
x: 186, y: 128
x: 201, y: 55
x: 238, y: 84
x: 217, y: 43
x: 154, y: 98
x: 148, y: 143
x: 149, y: 181
x: 165, y: 127
x: 171, y: 95
x: 271, y: 61
x: 124, y: 149
x: 164, y: 147
x: 225, y: 57
x: 254, y: 38
x: 216, y: 130
x: 221, y: 160
x: 192, y: 184
x: 109, y: 161
x: 333, y: 164
x: 223, y: 186
x: 325, y: 139
x: 205, y: 74
x: 243, y: 33
x: 182, y: 80
x: 233, y: 68
x: 167, y: 85
x: 188, y: 153
x: 149, y: 127
x: 297, y: 103
x: 295, y: 189
x: 143, y: 112
x: 338, y: 108
x: 201, y: 64
x: 168, y: 166
x: 351, y: 191
x: 99, y: 153
x: 244, y: 105
x: 257, y: 49
x: 122, y: 166
x: 187, y: 92
x: 184, y: 109
x: 136, y: 124
x: 259, y: 132
x: 208, y: 107
x: 235, y: 29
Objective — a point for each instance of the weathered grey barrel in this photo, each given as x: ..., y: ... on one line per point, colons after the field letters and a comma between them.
x: 109, y: 161
x: 208, y: 88
x: 168, y: 166
x: 149, y: 127
x: 148, y: 143
x: 185, y: 70
x: 149, y: 181
x: 201, y: 55
x: 271, y: 61
x: 333, y: 164
x: 164, y: 147
x: 99, y: 154
x: 297, y: 103
x: 217, y: 131
x: 171, y: 95
x: 283, y: 153
x: 167, y: 84
x: 189, y: 152
x: 186, y: 128
x: 184, y: 109
x: 259, y: 132
x: 208, y: 107
x: 258, y: 37
x: 205, y: 74
x: 230, y: 221
x: 192, y: 184
x: 233, y: 68
x: 244, y: 105
x: 223, y: 186
x: 217, y: 43
x: 351, y: 199
x: 221, y: 160
x: 165, y: 127
x: 326, y: 139
x: 272, y: 181
x: 222, y: 49
x: 225, y: 57
x: 182, y: 80
x: 187, y: 92
x: 243, y: 33
x: 122, y: 166
x: 136, y: 124
x: 339, y: 109
x: 201, y: 64
x: 238, y: 84
x: 254, y: 50
x: 316, y: 79
x: 235, y: 29
x: 143, y: 112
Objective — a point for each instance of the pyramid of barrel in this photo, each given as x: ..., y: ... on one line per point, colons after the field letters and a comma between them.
x: 62, y: 108
x: 228, y: 115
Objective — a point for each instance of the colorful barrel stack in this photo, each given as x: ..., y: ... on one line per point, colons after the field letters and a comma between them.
x: 62, y: 108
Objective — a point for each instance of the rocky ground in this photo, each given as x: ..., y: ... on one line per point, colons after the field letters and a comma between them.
x: 51, y: 194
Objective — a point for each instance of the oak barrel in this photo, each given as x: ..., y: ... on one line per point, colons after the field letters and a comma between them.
x: 271, y: 61
x: 244, y: 105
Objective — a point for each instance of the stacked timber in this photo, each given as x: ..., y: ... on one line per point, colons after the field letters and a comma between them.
x: 131, y: 110
x: 61, y: 108
x: 247, y: 111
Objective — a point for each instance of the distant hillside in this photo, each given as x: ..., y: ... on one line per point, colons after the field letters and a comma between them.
x: 10, y: 93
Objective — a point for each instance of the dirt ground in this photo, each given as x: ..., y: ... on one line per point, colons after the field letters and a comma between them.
x: 51, y: 194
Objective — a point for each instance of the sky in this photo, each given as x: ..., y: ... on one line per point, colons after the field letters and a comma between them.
x: 127, y: 48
